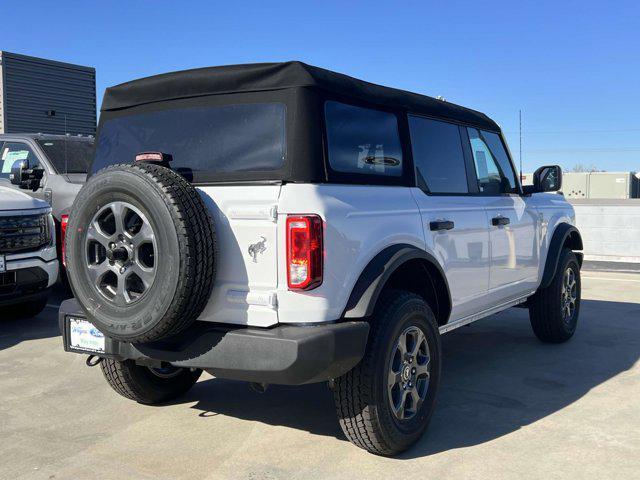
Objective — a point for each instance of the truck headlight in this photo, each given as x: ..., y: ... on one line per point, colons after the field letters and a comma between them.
x: 51, y: 229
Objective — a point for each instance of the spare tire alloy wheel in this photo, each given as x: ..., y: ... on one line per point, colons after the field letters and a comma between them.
x: 140, y: 252
x: 121, y: 253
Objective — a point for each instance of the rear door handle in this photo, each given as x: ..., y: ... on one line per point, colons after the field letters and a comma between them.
x: 441, y: 225
x: 499, y: 221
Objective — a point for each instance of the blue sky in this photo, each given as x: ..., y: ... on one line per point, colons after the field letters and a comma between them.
x: 572, y: 67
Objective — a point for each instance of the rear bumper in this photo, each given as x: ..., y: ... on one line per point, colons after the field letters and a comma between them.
x: 286, y: 355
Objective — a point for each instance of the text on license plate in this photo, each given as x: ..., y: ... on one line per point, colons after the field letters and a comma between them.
x: 84, y: 336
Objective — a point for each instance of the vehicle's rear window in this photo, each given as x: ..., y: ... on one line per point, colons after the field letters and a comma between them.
x: 202, y: 141
x: 68, y: 155
x: 362, y: 140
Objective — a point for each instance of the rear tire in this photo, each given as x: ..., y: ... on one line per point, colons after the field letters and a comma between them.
x: 146, y: 385
x: 554, y: 310
x: 374, y: 415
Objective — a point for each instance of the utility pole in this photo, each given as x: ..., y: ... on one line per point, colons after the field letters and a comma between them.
x: 520, y: 154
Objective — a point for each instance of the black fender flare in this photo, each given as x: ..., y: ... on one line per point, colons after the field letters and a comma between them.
x: 562, y: 232
x: 374, y: 276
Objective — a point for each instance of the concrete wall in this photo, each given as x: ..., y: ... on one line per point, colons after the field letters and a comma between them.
x: 610, y: 229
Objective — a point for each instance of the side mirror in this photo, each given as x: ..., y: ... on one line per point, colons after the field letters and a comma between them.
x: 545, y: 179
x: 25, y: 177
x: 15, y: 177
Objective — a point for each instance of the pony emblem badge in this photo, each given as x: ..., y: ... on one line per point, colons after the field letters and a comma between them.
x: 257, y: 248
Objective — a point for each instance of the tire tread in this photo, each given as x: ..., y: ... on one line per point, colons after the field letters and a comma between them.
x: 544, y: 312
x: 198, y: 248
x: 355, y: 406
x: 127, y: 380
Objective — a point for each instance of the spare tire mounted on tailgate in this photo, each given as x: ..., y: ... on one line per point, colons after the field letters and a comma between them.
x: 140, y: 252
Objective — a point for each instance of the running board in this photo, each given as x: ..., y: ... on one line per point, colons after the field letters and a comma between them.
x: 477, y: 316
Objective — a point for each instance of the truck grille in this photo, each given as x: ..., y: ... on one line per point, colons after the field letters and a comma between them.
x: 24, y: 233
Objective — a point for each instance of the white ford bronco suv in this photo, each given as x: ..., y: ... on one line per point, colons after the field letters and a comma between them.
x: 284, y: 224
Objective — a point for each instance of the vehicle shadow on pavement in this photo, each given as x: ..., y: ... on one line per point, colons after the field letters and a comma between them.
x: 44, y: 325
x: 16, y: 330
x: 308, y: 407
x: 496, y: 378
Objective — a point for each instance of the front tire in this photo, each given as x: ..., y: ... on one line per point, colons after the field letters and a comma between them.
x: 385, y: 403
x: 148, y: 385
x: 554, y: 310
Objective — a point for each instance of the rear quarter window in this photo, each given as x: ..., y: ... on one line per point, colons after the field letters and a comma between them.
x: 362, y: 140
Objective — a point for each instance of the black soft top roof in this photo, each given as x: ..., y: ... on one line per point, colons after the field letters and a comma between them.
x: 276, y: 76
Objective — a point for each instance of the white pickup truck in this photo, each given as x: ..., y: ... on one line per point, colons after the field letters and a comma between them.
x: 28, y: 260
x: 281, y: 223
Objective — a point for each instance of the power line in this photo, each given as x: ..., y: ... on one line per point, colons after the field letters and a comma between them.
x: 556, y: 132
x: 585, y: 150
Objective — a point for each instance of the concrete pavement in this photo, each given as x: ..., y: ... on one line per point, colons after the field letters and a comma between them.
x: 509, y: 407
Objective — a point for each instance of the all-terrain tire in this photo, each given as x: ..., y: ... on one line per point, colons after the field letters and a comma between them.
x: 546, y: 306
x: 361, y: 395
x: 185, y: 253
x: 145, y: 385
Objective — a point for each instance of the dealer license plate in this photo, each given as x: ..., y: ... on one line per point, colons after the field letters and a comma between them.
x: 84, y: 336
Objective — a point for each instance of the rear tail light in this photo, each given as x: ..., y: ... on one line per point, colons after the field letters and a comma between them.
x: 304, y: 252
x: 64, y: 221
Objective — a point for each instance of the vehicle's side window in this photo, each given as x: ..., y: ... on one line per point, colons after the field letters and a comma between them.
x: 438, y: 155
x: 12, y: 152
x: 493, y: 168
x: 363, y: 140
x: 2, y: 174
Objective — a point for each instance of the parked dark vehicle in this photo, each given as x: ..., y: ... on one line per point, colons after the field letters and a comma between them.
x: 57, y: 168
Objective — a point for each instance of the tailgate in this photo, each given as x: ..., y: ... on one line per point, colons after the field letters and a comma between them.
x: 245, y: 221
